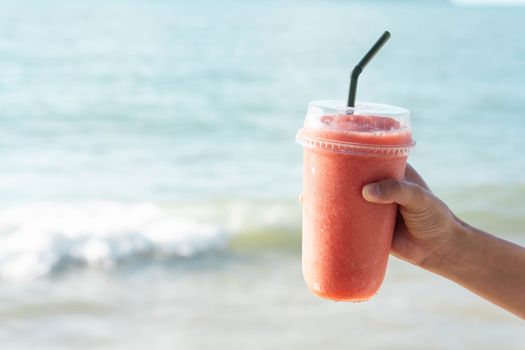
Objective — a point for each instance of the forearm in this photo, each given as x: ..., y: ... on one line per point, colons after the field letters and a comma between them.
x: 488, y: 266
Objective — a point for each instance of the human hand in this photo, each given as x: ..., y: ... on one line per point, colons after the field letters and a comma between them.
x: 428, y: 234
x: 424, y: 223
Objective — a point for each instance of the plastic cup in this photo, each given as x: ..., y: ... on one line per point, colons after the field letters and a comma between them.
x: 346, y: 240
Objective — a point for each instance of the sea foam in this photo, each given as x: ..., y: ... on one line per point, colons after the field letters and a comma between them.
x: 38, y: 239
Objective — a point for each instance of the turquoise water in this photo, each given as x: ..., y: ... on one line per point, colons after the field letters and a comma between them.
x: 164, y: 100
x: 149, y: 162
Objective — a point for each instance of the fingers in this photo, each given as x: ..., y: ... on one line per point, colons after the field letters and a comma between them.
x: 301, y: 198
x: 410, y: 195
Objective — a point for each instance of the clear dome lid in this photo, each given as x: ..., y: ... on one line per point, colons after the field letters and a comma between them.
x: 368, y: 129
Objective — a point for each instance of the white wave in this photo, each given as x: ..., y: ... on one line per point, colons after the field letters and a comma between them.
x: 37, y: 239
x: 488, y: 2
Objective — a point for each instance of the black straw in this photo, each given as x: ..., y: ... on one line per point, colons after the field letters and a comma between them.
x: 362, y: 64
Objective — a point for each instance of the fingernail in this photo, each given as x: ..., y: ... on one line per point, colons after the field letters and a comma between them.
x: 372, y: 190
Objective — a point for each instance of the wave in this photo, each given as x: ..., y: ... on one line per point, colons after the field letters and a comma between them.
x: 40, y: 239
x: 488, y: 2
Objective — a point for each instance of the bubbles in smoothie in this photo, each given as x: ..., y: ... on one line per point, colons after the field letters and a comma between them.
x: 360, y: 123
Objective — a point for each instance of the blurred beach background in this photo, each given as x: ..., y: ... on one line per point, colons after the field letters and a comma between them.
x: 149, y: 175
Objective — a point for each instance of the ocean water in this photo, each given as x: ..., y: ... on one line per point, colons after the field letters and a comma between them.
x: 149, y: 175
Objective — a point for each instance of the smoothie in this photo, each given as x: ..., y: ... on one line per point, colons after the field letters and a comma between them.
x: 346, y: 240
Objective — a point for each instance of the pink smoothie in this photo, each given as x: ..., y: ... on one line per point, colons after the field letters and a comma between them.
x: 346, y: 240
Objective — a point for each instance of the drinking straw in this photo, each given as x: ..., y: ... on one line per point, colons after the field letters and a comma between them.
x: 362, y: 64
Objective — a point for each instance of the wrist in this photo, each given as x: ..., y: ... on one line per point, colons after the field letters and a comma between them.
x: 450, y: 254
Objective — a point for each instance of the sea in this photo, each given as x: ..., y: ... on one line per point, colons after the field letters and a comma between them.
x: 149, y: 175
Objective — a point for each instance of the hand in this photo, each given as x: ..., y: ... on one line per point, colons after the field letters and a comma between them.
x: 427, y: 234
x: 424, y: 222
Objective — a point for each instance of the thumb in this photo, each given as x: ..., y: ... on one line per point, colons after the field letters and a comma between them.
x: 409, y: 195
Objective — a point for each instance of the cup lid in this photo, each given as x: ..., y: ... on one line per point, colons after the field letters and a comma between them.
x: 368, y: 129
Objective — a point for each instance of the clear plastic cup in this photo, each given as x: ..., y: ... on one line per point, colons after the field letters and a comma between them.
x: 346, y: 240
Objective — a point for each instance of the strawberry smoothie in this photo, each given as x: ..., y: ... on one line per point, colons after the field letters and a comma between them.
x: 346, y: 240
